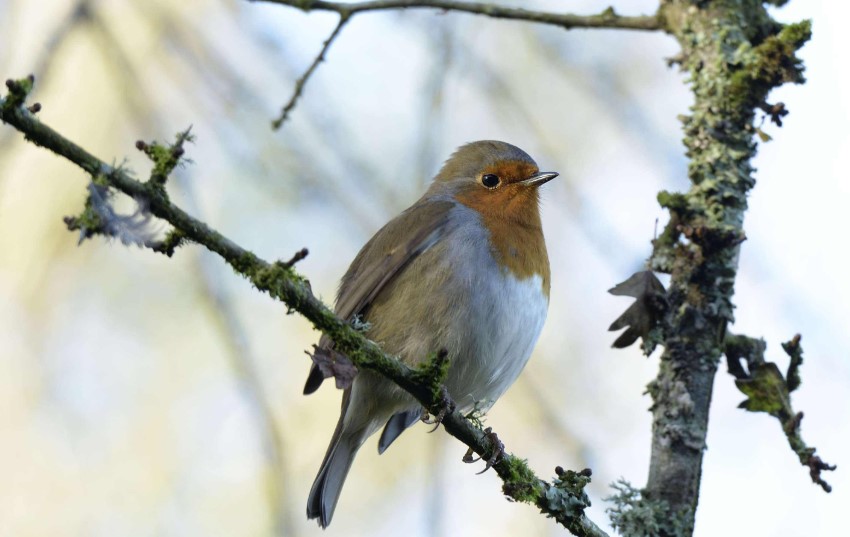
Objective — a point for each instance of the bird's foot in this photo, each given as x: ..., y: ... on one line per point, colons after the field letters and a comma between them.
x: 446, y: 405
x: 495, y: 457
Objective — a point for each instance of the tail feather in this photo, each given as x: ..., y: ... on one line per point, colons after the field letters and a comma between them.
x: 397, y: 425
x: 328, y: 484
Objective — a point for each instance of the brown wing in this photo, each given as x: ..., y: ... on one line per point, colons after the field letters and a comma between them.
x: 386, y: 254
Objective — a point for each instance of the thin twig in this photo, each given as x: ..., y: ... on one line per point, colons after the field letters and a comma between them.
x: 298, y: 256
x: 42, y: 65
x: 767, y: 390
x: 299, y: 84
x: 568, y: 21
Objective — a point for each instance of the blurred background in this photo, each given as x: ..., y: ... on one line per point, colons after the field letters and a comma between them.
x: 141, y: 395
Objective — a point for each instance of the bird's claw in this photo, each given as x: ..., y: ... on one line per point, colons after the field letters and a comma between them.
x: 498, y: 450
x: 446, y: 406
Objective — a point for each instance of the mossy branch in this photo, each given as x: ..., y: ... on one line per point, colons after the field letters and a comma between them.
x: 562, y: 500
x: 734, y: 54
x: 768, y: 391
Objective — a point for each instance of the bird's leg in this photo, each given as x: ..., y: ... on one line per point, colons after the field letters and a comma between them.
x: 469, y: 457
x: 498, y: 449
x: 446, y: 405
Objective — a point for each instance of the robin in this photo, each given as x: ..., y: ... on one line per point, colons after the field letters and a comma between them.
x: 464, y: 269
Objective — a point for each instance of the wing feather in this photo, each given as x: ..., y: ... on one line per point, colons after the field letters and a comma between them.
x: 383, y: 258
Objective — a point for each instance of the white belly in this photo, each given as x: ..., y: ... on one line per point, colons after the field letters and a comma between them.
x: 496, y: 324
x: 501, y: 331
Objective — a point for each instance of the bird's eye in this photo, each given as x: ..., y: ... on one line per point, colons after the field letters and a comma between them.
x: 490, y: 180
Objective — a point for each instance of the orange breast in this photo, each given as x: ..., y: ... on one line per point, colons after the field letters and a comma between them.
x: 512, y: 216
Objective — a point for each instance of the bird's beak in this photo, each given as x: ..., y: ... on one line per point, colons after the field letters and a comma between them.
x: 539, y: 178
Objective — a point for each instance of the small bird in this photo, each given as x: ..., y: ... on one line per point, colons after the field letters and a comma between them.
x: 464, y: 269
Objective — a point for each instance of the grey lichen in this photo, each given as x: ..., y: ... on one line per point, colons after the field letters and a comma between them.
x: 633, y: 514
x: 734, y: 54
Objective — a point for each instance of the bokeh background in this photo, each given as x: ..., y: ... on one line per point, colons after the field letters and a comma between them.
x: 141, y: 395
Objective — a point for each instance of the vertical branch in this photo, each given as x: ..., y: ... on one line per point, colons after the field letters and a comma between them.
x: 735, y: 54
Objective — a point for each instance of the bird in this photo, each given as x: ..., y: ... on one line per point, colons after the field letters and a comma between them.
x: 464, y: 269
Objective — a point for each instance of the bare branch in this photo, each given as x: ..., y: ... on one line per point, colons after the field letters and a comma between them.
x: 607, y: 19
x: 299, y: 84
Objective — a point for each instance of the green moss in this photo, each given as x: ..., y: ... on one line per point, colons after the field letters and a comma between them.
x: 173, y: 240
x: 520, y: 483
x: 18, y: 92
x: 88, y: 222
x: 674, y: 201
x: 433, y: 373
x: 165, y: 158
x: 247, y: 264
x: 772, y: 63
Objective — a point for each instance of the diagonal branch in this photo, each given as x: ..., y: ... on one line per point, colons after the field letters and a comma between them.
x: 299, y: 84
x: 562, y: 499
x: 768, y: 391
x: 607, y: 19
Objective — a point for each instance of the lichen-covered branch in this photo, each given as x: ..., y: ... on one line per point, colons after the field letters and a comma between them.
x: 562, y: 499
x: 734, y: 53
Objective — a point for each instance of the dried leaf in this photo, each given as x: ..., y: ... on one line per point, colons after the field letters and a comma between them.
x: 334, y: 364
x: 646, y: 312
